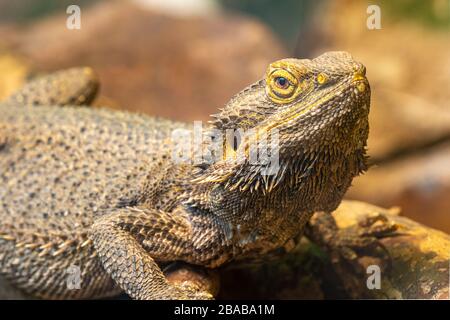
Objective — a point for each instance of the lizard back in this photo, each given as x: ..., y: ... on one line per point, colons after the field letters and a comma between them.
x: 62, y: 165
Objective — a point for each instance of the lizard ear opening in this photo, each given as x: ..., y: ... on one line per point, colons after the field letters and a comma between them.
x: 233, y: 140
x: 236, y: 140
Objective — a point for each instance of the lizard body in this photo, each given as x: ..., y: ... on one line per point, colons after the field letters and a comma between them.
x: 98, y: 189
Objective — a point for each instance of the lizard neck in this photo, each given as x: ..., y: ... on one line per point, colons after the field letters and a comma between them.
x: 255, y: 222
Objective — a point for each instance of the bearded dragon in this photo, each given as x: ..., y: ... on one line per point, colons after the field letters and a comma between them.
x: 100, y: 190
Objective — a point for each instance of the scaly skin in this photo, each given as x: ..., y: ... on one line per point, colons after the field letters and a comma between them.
x: 98, y: 188
x: 76, y: 86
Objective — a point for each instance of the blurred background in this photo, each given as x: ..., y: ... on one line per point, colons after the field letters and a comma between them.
x: 185, y: 58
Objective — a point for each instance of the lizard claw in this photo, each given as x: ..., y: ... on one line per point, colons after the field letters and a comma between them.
x: 377, y: 226
x: 191, y: 292
x: 364, y: 240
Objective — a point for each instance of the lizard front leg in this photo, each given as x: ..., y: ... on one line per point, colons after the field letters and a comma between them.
x: 129, y: 240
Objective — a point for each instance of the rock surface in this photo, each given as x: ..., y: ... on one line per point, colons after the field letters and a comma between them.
x: 418, y: 267
x: 182, y: 68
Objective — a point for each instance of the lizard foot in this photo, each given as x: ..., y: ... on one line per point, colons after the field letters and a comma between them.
x: 351, y: 243
x: 200, y: 283
x: 364, y: 239
x: 192, y: 292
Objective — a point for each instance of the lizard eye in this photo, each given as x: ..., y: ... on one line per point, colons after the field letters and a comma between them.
x: 281, y: 85
x: 282, y: 82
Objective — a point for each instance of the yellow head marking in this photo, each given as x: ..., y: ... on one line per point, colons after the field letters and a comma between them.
x: 358, y: 76
x: 361, y: 87
x: 322, y: 78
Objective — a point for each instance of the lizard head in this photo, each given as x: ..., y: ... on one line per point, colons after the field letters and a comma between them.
x: 313, y: 116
